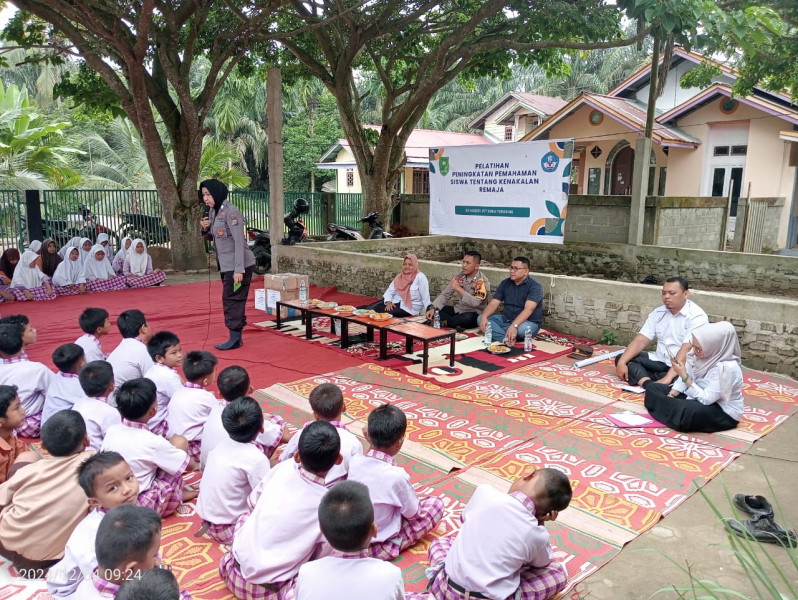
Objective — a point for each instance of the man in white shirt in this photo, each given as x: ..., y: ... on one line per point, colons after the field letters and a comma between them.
x: 672, y: 325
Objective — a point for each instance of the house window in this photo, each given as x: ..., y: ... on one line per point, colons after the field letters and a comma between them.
x: 421, y: 181
x: 739, y: 150
x: 508, y: 133
x: 350, y: 178
x: 721, y: 151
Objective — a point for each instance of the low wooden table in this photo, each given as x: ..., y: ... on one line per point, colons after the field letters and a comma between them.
x: 425, y: 334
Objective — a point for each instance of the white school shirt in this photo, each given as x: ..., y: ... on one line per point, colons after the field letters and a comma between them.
x: 232, y: 471
x: 99, y: 417
x: 62, y: 394
x: 144, y: 451
x: 167, y: 381
x: 419, y: 295
x: 31, y: 378
x: 86, y: 590
x: 282, y: 533
x: 188, y: 411
x: 130, y: 360
x: 390, y: 490
x: 79, y: 559
x: 707, y: 389
x: 92, y: 347
x: 671, y: 331
x: 349, y: 576
x: 214, y: 433
x: 499, y: 536
x: 350, y: 445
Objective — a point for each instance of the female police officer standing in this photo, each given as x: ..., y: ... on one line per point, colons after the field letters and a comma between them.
x: 225, y: 226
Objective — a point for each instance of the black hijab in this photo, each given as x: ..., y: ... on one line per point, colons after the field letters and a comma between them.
x: 217, y: 189
x: 49, y: 261
x: 6, y: 267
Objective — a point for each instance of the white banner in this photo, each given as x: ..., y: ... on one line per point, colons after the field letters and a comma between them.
x: 516, y: 192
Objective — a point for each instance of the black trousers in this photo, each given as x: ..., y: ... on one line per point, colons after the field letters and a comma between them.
x: 685, y: 415
x: 380, y: 307
x: 234, y: 303
x: 642, y: 366
x: 466, y: 320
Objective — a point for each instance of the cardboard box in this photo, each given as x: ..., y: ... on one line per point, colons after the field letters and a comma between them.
x: 281, y: 287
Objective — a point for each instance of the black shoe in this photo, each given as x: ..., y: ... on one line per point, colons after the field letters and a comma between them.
x: 753, y: 505
x: 763, y: 529
x: 231, y: 344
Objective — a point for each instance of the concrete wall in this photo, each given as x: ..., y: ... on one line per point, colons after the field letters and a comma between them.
x: 689, y: 222
x: 770, y: 237
x: 598, y: 219
x: 768, y: 328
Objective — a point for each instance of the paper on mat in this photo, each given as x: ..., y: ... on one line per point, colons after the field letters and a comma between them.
x: 631, y: 419
x: 599, y: 357
x: 635, y: 389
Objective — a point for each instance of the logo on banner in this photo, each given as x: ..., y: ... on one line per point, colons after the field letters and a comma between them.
x: 443, y: 165
x: 549, y: 162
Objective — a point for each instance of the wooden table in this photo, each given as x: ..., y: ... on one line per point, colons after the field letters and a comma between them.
x: 425, y: 334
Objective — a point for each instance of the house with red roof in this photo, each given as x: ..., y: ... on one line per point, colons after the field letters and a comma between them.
x: 514, y: 115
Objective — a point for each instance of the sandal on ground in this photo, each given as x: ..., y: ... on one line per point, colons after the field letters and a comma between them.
x: 763, y: 529
x: 753, y: 505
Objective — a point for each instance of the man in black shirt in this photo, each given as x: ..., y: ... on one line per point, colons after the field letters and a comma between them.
x: 523, y: 305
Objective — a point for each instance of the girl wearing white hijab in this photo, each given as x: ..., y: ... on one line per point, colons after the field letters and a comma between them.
x: 119, y: 259
x: 69, y: 278
x: 100, y: 277
x: 36, y: 246
x: 72, y: 243
x: 138, y: 267
x: 105, y: 242
x: 708, y: 396
x: 85, y: 248
x: 29, y: 283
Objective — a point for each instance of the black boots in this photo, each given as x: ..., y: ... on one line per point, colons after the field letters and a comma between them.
x: 231, y: 344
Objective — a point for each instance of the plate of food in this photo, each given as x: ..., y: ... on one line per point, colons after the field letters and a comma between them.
x: 362, y: 312
x: 498, y: 348
x: 381, y: 316
x: 327, y: 305
x: 315, y: 302
x: 345, y: 308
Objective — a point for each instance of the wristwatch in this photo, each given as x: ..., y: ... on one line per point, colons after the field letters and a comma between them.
x: 514, y: 325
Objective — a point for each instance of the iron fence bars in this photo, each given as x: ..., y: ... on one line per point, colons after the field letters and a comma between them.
x: 13, y: 228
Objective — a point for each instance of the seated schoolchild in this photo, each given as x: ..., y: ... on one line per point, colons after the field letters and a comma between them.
x: 155, y: 584
x: 94, y: 323
x: 29, y: 334
x: 346, y: 519
x: 158, y: 463
x: 235, y: 466
x: 402, y: 519
x: 29, y: 283
x: 85, y: 246
x: 14, y: 454
x: 50, y: 257
x: 282, y: 532
x: 503, y: 547
x: 233, y: 382
x: 31, y: 378
x: 69, y: 278
x: 74, y: 242
x: 41, y: 504
x: 165, y: 349
x: 137, y: 267
x: 119, y: 258
x: 130, y: 358
x: 327, y: 404
x: 64, y: 389
x: 97, y: 382
x: 100, y: 277
x: 8, y: 264
x: 107, y: 481
x: 192, y: 403
x: 104, y: 241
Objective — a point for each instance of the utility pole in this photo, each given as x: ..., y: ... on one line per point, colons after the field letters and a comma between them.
x: 274, y: 112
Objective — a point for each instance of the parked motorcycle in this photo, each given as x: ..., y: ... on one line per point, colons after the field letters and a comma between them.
x: 344, y: 232
x: 147, y: 227
x: 297, y: 232
x: 259, y: 241
x: 92, y: 228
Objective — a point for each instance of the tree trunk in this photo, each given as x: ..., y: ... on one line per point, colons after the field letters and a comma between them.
x: 182, y: 219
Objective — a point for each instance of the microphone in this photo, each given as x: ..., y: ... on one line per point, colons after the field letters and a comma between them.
x: 206, y: 211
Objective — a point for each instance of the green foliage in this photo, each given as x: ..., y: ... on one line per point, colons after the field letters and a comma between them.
x: 87, y: 88
x: 608, y: 337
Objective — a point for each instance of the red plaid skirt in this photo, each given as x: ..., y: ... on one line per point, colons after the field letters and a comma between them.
x: 32, y: 426
x: 111, y: 284
x: 38, y: 293
x: 220, y: 533
x: 145, y: 280
x: 430, y: 513
x: 165, y: 493
x: 243, y: 590
x: 72, y: 290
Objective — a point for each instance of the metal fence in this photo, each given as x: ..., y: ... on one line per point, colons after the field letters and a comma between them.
x: 348, y: 209
x: 12, y: 220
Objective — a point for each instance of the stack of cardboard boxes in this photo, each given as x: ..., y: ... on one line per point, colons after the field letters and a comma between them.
x: 279, y: 288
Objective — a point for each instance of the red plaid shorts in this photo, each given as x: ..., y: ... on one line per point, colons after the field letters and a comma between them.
x: 243, y: 590
x: 165, y: 493
x: 430, y: 513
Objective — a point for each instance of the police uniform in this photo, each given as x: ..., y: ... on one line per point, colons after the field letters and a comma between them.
x: 473, y: 301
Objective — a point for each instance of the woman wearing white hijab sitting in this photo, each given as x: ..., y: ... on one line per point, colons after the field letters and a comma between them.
x: 29, y: 283
x: 69, y: 278
x: 118, y: 263
x: 708, y: 396
x: 72, y: 243
x: 138, y: 267
x: 100, y: 277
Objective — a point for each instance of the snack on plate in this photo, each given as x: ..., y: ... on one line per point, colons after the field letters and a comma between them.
x: 498, y: 348
x: 325, y: 305
x: 346, y: 308
x: 362, y: 312
x: 381, y: 316
x: 316, y: 301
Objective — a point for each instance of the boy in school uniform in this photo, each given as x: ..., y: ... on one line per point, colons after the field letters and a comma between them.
x: 327, y: 404
x: 130, y: 358
x: 402, y: 519
x: 235, y: 466
x: 346, y: 519
x: 165, y: 349
x: 157, y: 463
x: 97, y: 381
x: 64, y: 389
x: 282, y: 532
x: 14, y: 453
x: 95, y: 323
x: 502, y: 549
x: 34, y: 528
x: 107, y: 481
x: 29, y: 334
x: 31, y: 378
x: 233, y: 382
x: 192, y: 403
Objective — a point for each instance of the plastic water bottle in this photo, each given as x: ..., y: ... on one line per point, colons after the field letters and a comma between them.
x: 488, y: 334
x: 528, y: 341
x: 303, y: 292
x: 436, y: 322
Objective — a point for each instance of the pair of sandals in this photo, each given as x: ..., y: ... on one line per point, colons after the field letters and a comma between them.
x: 761, y: 526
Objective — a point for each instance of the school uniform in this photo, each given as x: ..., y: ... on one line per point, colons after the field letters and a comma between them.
x: 137, y: 268
x: 92, y: 347
x: 350, y: 576
x: 188, y: 411
x: 167, y: 381
x: 130, y: 360
x: 350, y: 445
x: 280, y: 535
x: 401, y: 519
x: 232, y: 471
x: 501, y: 549
x: 99, y: 416
x: 100, y: 277
x: 79, y: 559
x: 63, y: 392
x: 9, y: 450
x: 31, y: 279
x: 32, y: 380
x: 156, y: 463
x: 214, y: 433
